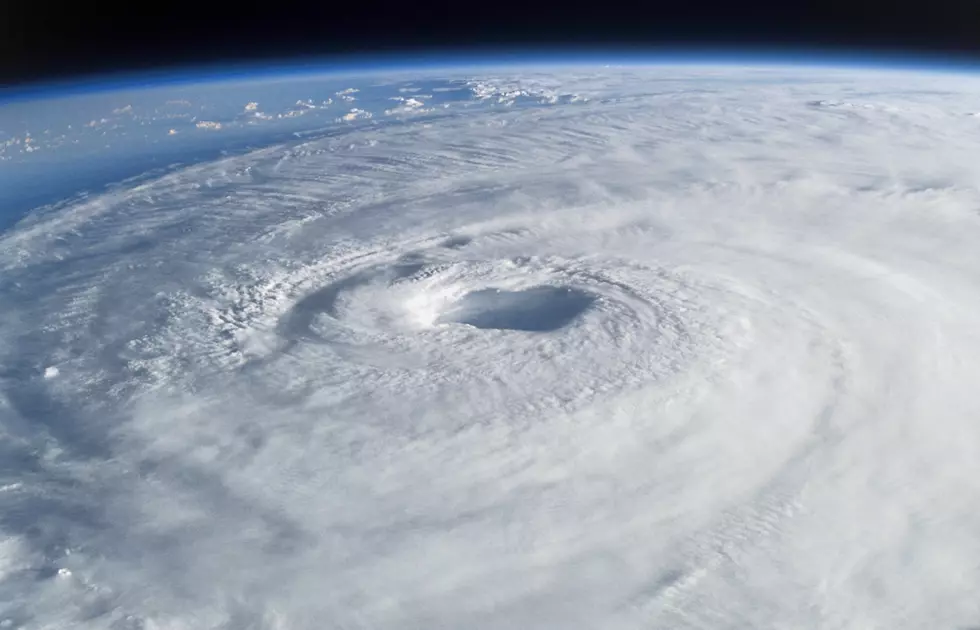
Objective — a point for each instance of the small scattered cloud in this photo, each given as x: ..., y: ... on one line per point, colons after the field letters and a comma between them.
x: 508, y: 93
x: 408, y: 106
x: 208, y: 124
x: 347, y: 95
x: 355, y: 114
x: 252, y: 112
x: 407, y: 102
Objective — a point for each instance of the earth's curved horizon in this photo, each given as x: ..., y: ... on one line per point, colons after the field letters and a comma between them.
x: 578, y: 345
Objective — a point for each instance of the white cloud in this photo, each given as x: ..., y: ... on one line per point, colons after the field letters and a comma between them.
x: 348, y: 95
x: 355, y: 114
x: 669, y: 359
x: 408, y: 102
x: 506, y: 92
x: 208, y: 124
x: 408, y: 106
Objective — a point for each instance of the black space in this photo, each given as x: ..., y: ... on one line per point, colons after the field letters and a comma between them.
x: 51, y: 39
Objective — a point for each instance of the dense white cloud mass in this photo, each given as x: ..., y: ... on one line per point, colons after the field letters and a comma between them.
x: 698, y: 350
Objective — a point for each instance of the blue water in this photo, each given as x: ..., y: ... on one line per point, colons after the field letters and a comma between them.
x: 43, y: 184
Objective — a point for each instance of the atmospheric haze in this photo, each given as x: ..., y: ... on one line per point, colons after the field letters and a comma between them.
x: 699, y: 349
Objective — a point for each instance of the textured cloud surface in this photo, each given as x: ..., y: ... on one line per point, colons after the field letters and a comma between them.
x: 698, y: 349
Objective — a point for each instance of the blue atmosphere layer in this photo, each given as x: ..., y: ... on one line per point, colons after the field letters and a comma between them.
x: 503, y: 58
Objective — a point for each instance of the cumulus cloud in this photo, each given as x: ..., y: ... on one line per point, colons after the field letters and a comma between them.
x: 698, y: 356
x: 347, y: 95
x: 408, y: 106
x: 355, y: 114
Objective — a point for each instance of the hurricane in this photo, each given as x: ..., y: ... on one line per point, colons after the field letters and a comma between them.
x: 697, y: 348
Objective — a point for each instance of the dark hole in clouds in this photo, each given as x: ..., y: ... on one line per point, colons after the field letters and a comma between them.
x: 539, y: 309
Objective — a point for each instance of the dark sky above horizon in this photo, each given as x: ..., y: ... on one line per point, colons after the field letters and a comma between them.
x: 47, y: 40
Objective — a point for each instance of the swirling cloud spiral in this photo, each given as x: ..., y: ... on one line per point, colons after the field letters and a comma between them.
x: 697, y: 350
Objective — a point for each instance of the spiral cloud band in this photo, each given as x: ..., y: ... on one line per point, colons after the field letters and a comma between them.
x: 697, y: 350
